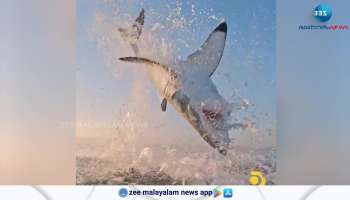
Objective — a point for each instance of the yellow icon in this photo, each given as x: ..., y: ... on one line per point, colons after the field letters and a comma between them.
x: 256, y: 178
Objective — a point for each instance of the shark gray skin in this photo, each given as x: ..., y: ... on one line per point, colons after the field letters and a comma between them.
x: 187, y: 85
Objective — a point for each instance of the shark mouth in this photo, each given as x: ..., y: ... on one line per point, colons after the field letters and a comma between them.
x: 183, y: 103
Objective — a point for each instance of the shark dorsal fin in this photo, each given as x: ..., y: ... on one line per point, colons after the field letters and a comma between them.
x: 207, y: 58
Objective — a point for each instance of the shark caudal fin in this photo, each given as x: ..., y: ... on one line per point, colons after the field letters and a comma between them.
x: 133, y: 33
x: 207, y: 58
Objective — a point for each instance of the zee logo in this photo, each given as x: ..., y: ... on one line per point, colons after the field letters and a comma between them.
x: 123, y: 192
x: 323, y: 12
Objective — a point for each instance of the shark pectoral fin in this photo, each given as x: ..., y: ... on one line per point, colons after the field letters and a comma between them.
x: 163, y: 104
x: 148, y: 62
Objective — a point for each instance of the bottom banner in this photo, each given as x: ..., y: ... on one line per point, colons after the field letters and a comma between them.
x: 174, y: 192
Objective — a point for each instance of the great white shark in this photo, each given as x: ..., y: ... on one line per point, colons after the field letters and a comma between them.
x: 187, y: 85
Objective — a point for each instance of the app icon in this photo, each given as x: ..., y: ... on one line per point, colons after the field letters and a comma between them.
x: 323, y: 12
x: 123, y: 192
x: 228, y: 193
x: 217, y: 192
x: 257, y: 178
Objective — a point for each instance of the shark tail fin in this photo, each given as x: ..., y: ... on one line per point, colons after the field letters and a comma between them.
x: 133, y: 33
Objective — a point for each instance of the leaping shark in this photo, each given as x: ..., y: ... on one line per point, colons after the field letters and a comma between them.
x: 187, y: 86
